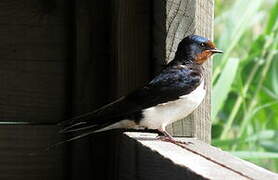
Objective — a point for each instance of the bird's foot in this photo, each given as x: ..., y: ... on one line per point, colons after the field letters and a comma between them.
x: 172, y: 140
x: 168, y: 138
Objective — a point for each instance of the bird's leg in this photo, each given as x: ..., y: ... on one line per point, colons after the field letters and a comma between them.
x: 168, y: 138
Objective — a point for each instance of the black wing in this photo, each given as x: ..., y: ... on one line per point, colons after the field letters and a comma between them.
x: 169, y: 85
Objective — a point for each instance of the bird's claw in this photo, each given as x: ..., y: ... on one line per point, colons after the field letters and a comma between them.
x: 168, y: 138
x: 172, y: 140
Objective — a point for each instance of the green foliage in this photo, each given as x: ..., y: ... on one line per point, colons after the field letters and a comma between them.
x: 223, y: 85
x: 245, y: 80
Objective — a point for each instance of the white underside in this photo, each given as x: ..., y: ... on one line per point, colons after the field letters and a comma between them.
x: 160, y: 116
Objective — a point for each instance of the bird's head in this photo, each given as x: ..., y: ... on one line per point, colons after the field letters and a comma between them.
x: 194, y: 48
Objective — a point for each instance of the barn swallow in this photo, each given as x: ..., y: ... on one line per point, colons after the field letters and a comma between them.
x: 172, y: 95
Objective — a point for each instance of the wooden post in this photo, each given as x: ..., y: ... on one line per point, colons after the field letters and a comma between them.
x: 184, y: 17
x: 112, y: 57
x: 34, y: 58
x: 91, y: 72
x: 131, y: 34
x: 23, y: 155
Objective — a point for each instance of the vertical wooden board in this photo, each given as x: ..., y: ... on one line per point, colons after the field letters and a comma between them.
x: 112, y: 58
x: 23, y: 155
x: 33, y: 60
x: 131, y: 44
x: 204, y: 27
x: 184, y: 18
x: 91, y: 67
x: 91, y: 73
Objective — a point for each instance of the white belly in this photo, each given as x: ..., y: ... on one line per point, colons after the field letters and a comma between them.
x: 160, y: 116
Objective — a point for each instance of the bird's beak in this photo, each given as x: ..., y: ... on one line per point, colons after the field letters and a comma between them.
x: 216, y: 51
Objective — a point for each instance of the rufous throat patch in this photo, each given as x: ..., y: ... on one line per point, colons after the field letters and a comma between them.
x: 203, y: 56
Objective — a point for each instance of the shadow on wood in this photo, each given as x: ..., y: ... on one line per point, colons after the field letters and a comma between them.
x: 117, y: 156
x: 23, y: 155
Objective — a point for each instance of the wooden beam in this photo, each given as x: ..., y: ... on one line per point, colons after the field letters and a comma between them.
x: 136, y: 155
x: 208, y: 161
x: 92, y: 55
x: 184, y: 17
x: 227, y: 160
x: 91, y: 72
x: 33, y: 61
x: 131, y: 45
x: 23, y: 153
x: 112, y: 58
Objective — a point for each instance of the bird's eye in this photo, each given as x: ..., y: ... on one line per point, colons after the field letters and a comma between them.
x: 203, y: 44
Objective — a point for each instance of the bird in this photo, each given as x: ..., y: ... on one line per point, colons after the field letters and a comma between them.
x: 172, y: 95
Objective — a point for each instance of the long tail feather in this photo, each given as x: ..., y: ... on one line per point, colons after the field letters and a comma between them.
x: 89, y: 115
x: 78, y: 127
x: 69, y: 140
x: 76, y: 118
x: 84, y: 131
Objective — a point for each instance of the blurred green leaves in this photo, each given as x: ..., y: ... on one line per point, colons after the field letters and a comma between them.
x: 223, y: 85
x: 237, y: 20
x: 245, y: 80
x: 274, y: 76
x: 255, y: 155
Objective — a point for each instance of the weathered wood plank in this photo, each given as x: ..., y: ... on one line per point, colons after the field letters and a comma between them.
x: 112, y: 57
x: 92, y: 54
x: 91, y: 72
x: 23, y: 155
x: 32, y: 91
x: 33, y: 60
x: 131, y: 155
x: 199, y: 166
x: 33, y: 12
x: 33, y: 43
x: 183, y: 18
x: 131, y: 33
x: 228, y: 161
x: 204, y: 26
x: 116, y: 156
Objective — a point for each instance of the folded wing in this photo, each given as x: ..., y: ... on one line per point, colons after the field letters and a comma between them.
x: 169, y: 85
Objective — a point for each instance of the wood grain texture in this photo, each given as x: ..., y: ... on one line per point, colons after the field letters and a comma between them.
x: 229, y: 161
x: 90, y: 72
x: 120, y: 155
x: 92, y: 55
x: 184, y: 18
x: 198, y: 165
x: 33, y: 60
x: 204, y: 26
x: 112, y: 57
x: 131, y: 34
x: 23, y: 155
x: 33, y: 12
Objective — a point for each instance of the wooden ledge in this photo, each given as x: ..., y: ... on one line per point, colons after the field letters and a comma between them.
x: 133, y: 155
x: 140, y: 156
x: 204, y: 160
